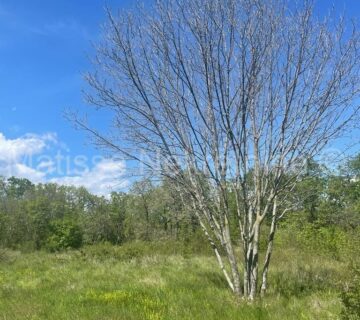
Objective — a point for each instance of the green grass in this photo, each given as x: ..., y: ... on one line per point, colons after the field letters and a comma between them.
x: 104, y: 282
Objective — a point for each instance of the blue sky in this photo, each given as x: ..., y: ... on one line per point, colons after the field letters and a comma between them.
x: 44, y: 49
x: 44, y: 46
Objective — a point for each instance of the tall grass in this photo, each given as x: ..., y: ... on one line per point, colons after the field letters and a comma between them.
x: 160, y: 281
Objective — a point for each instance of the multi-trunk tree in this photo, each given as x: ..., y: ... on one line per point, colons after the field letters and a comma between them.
x: 227, y: 97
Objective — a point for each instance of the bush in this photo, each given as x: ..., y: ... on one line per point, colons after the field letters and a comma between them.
x: 313, y: 237
x: 64, y: 234
x: 350, y: 296
x: 329, y: 240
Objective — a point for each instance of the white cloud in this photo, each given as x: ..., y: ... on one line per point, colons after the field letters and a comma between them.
x: 23, y: 171
x: 28, y: 145
x: 47, y: 165
x: 15, y: 152
x: 30, y: 157
x: 106, y: 176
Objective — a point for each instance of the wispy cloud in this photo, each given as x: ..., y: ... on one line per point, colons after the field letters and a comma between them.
x: 61, y: 28
x: 65, y: 28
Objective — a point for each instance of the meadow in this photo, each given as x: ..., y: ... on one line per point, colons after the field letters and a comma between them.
x: 161, y: 281
x: 227, y: 127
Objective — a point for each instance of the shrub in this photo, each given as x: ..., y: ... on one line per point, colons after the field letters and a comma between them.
x: 64, y: 234
x: 313, y: 237
x: 350, y: 296
x: 329, y: 240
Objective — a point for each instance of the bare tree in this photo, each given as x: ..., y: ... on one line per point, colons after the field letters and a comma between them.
x: 227, y: 96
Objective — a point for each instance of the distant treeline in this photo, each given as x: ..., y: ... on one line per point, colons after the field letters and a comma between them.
x: 54, y: 217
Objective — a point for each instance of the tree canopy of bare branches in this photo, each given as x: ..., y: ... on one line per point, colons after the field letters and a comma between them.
x: 227, y: 97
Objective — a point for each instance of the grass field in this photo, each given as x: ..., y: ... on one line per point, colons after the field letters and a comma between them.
x: 104, y: 282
